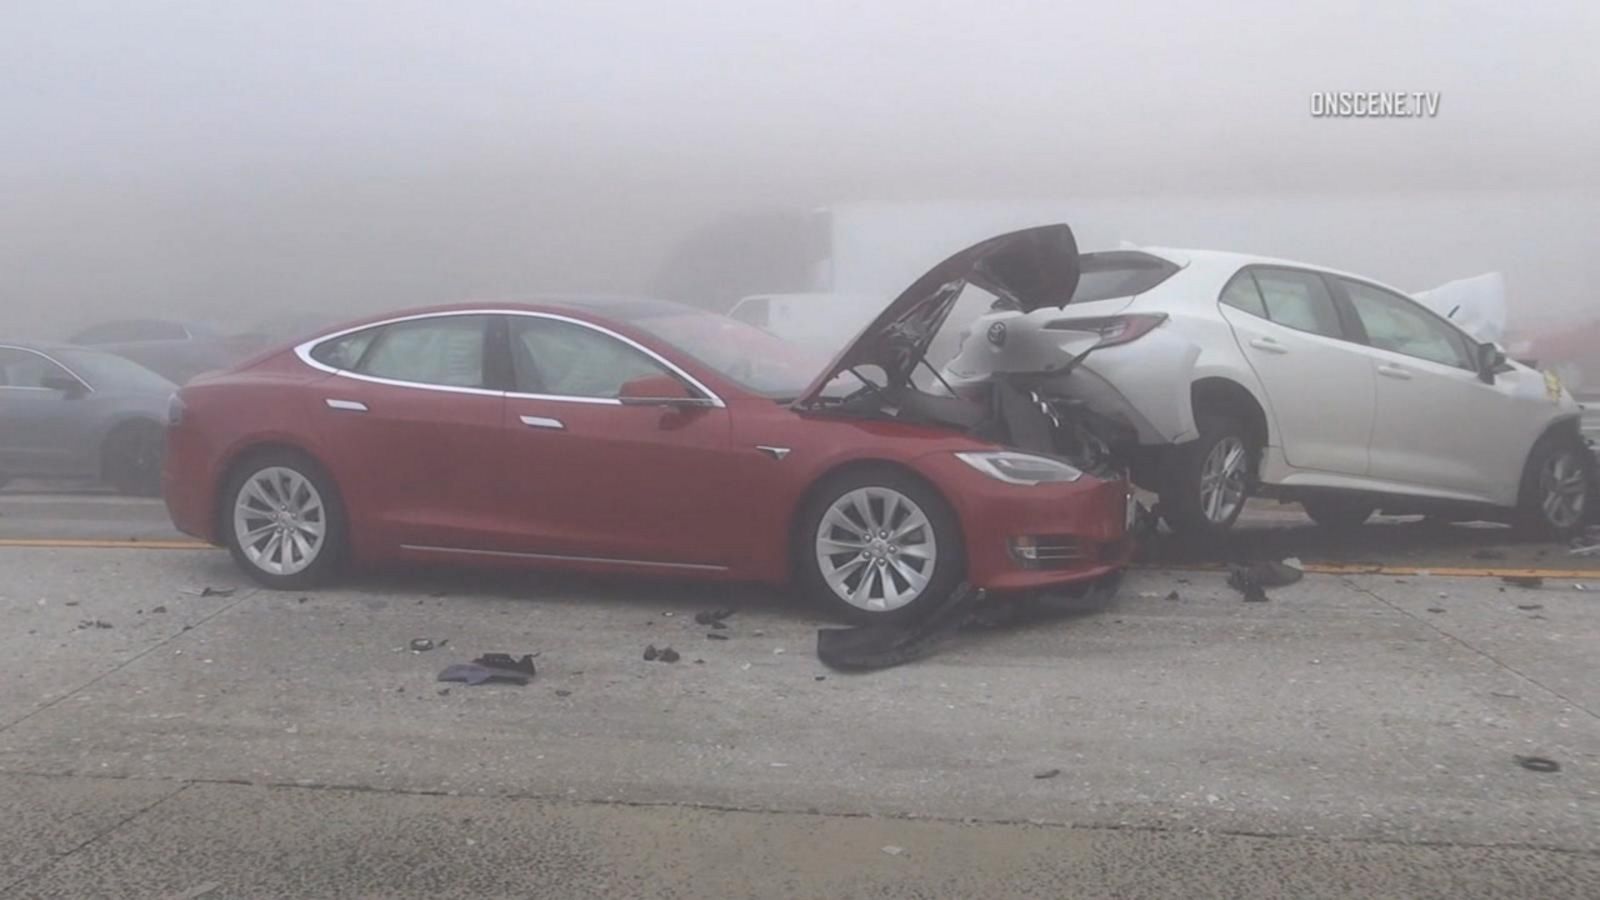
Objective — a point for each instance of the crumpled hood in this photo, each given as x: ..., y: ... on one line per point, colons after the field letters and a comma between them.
x: 1032, y: 268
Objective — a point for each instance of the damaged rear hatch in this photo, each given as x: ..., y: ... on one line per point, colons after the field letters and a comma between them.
x: 1029, y: 269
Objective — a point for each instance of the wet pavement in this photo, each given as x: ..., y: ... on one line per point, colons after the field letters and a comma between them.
x: 1355, y: 735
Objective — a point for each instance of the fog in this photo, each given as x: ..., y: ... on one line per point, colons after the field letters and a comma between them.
x: 236, y: 162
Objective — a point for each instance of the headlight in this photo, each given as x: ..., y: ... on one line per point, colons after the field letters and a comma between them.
x: 1020, y: 468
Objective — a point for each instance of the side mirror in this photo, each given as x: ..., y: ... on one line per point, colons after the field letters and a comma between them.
x: 1490, y: 360
x: 659, y: 390
x: 66, y: 384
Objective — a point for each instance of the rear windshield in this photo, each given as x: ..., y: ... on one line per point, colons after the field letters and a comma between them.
x: 1119, y: 273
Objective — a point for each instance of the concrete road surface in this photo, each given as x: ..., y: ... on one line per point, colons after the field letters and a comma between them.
x: 1353, y: 736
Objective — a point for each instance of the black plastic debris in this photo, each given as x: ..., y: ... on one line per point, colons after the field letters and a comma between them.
x: 1436, y: 609
x: 1047, y: 773
x: 650, y: 653
x: 670, y: 655
x: 1530, y: 606
x: 1523, y: 581
x: 718, y: 624
x: 714, y: 636
x: 500, y: 667
x: 93, y: 623
x: 157, y: 610
x: 712, y: 617
x: 1538, y: 764
x: 872, y: 647
x: 563, y: 693
x: 1174, y: 596
x: 209, y: 591
x: 421, y: 645
x: 1252, y: 580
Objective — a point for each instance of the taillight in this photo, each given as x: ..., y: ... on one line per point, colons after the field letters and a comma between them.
x: 1113, y: 330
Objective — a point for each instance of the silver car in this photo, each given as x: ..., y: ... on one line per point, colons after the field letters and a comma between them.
x: 71, y: 412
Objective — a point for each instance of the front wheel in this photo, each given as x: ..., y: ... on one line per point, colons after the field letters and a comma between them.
x: 283, y: 521
x: 1205, y: 482
x: 1557, y: 485
x: 879, y: 546
x: 131, y: 459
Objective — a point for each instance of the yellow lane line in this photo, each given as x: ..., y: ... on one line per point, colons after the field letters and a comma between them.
x: 1314, y: 568
x: 1377, y: 569
x: 104, y: 545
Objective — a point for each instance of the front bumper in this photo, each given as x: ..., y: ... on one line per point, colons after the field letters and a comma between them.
x: 1027, y: 537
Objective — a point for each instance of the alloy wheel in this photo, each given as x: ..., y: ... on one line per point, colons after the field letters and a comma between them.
x: 280, y: 521
x: 1222, y: 480
x: 876, y: 549
x: 1564, y: 489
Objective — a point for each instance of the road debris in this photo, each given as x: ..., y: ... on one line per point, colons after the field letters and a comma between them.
x: 1523, y: 581
x: 870, y: 647
x: 93, y: 623
x: 1251, y: 580
x: 1047, y: 773
x: 421, y: 645
x: 714, y: 636
x: 670, y: 655
x: 1530, y: 606
x: 650, y: 653
x: 209, y: 591
x: 712, y: 617
x: 491, y: 667
x: 1488, y: 553
x: 1538, y: 764
x: 1174, y: 596
x: 563, y: 693
x: 893, y: 850
x: 157, y: 610
x: 665, y: 654
x: 1436, y: 609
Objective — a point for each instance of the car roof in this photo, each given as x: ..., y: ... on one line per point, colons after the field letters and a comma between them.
x: 619, y: 308
x: 1223, y: 263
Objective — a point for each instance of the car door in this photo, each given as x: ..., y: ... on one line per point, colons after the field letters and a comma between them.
x: 1437, y: 424
x: 1320, y: 388
x: 593, y: 474
x: 46, y: 419
x: 411, y: 423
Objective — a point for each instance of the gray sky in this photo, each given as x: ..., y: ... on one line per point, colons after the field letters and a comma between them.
x: 203, y: 157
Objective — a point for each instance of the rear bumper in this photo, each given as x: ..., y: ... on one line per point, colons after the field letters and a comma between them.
x: 1078, y: 531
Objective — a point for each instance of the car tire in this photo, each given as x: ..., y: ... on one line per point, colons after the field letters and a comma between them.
x: 271, y: 499
x: 1339, y: 513
x: 1190, y: 476
x: 878, y: 579
x: 130, y: 459
x: 1558, y: 487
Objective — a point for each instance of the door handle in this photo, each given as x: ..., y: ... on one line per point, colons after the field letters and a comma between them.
x: 543, y: 422
x: 346, y: 405
x: 1394, y: 372
x: 1268, y: 344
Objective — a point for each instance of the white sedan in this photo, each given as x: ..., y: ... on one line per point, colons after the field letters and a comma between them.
x: 1231, y: 375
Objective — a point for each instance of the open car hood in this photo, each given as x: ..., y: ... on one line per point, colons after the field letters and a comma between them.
x: 1032, y: 268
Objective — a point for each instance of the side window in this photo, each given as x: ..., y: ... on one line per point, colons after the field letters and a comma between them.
x: 344, y: 352
x: 1298, y: 300
x: 559, y: 358
x: 1241, y: 293
x: 20, y: 368
x: 444, y: 350
x: 1397, y: 324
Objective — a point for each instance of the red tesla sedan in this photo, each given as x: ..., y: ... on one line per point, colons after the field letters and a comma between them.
x: 649, y: 437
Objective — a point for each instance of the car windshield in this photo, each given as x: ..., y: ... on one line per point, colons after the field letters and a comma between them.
x: 106, y: 372
x: 748, y: 356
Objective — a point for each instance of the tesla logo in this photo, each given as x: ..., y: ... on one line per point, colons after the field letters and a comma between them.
x: 774, y: 452
x: 997, y: 334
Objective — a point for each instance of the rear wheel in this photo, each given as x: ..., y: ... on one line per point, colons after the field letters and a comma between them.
x: 283, y: 521
x: 1558, y: 484
x: 1338, y: 512
x: 131, y: 458
x: 1206, y: 482
x: 879, y: 546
